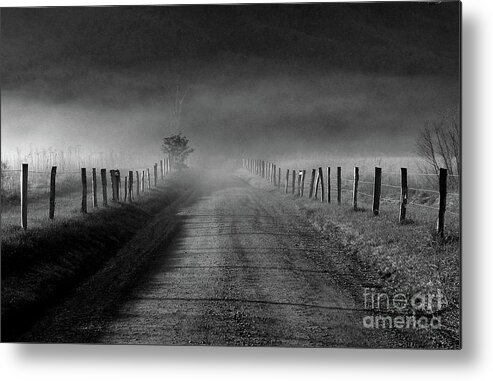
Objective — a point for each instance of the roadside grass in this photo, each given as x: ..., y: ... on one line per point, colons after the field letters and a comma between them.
x: 407, y: 259
x: 43, y: 264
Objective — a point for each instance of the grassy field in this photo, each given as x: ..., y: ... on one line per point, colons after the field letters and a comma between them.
x: 407, y: 258
x: 46, y: 262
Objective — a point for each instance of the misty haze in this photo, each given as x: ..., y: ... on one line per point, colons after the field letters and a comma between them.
x: 266, y: 175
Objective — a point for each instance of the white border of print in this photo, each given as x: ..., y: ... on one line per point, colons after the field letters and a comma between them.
x: 90, y: 362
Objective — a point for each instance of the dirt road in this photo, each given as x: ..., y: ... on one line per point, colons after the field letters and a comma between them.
x: 245, y: 269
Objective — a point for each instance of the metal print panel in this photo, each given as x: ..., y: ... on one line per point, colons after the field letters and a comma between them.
x: 232, y: 175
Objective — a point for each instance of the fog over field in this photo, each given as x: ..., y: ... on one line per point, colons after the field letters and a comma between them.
x: 259, y: 80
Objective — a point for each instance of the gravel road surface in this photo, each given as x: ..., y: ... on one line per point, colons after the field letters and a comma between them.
x: 245, y: 269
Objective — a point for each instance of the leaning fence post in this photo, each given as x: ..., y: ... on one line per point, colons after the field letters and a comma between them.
x: 443, y: 200
x: 402, y: 212
x: 52, y: 192
x: 24, y: 179
x: 355, y: 188
x: 322, y: 186
x: 148, y: 178
x: 328, y: 185
x: 94, y: 188
x: 303, y: 175
x: 103, y: 185
x: 312, y: 183
x: 339, y: 185
x: 83, y: 176
x: 377, y: 189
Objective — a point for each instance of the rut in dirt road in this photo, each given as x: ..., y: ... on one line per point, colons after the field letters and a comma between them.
x: 245, y: 269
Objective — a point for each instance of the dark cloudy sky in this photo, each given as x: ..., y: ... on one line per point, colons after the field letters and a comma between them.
x: 260, y: 78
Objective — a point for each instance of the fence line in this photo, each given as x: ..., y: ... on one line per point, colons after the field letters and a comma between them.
x: 116, y: 180
x: 263, y: 169
x: 419, y: 174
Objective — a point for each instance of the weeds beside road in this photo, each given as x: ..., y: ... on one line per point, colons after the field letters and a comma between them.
x: 47, y: 262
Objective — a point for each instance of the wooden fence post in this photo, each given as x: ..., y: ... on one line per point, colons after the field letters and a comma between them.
x: 442, y: 182
x: 274, y: 172
x: 312, y: 183
x: 317, y: 181
x: 339, y: 185
x: 320, y: 179
x: 130, y: 185
x: 263, y: 169
x: 162, y: 169
x: 287, y: 181
x: 402, y: 212
x: 142, y: 182
x: 355, y: 188
x: 94, y: 188
x: 279, y: 178
x: 118, y: 184
x: 377, y: 189
x: 298, y: 192
x: 293, y: 177
x: 148, y: 179
x: 303, y: 175
x: 83, y: 176
x: 126, y: 186
x: 104, y: 186
x: 328, y: 185
x: 24, y: 182
x: 137, y: 184
x: 155, y: 175
x: 113, y: 189
x: 52, y: 193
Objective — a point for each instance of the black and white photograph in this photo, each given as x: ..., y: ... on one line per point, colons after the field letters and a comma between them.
x: 232, y: 175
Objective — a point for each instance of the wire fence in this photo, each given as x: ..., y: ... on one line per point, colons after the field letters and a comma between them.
x: 35, y: 193
x: 319, y: 184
